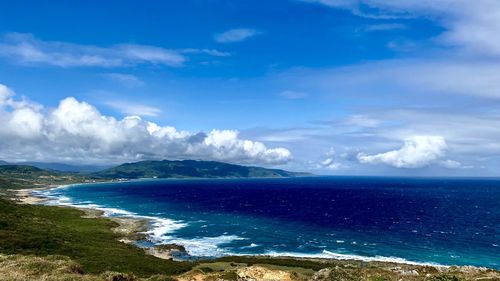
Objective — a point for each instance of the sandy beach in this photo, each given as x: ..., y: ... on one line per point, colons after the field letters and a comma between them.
x: 25, y: 196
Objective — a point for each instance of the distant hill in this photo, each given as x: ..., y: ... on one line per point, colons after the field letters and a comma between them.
x: 9, y: 168
x: 22, y: 176
x: 3, y: 162
x: 190, y: 169
x: 13, y: 176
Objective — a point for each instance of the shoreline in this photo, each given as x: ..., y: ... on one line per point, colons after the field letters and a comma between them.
x: 131, y: 229
x: 135, y: 228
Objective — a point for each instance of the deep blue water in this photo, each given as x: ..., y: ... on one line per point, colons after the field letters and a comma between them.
x: 443, y: 221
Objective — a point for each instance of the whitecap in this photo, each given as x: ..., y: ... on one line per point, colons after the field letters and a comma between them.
x: 205, y: 246
x: 252, y: 245
x: 161, y: 227
x: 331, y: 255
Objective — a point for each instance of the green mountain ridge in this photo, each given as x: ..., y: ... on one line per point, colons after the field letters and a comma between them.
x: 190, y: 169
x: 17, y: 176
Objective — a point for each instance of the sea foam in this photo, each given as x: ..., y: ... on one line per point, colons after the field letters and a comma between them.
x: 325, y: 254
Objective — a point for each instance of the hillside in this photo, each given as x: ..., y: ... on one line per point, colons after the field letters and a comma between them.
x: 20, y: 176
x: 188, y: 169
x: 92, y: 243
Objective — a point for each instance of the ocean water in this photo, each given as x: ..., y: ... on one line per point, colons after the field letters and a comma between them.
x: 435, y: 221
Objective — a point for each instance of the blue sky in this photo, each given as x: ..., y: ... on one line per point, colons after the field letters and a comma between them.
x: 332, y: 87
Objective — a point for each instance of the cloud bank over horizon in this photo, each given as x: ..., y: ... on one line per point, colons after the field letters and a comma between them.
x: 76, y: 132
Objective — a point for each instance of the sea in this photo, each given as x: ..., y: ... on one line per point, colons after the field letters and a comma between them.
x: 438, y: 221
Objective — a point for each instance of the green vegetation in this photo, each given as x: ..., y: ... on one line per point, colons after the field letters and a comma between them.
x: 20, y: 176
x: 189, y: 169
x: 44, y: 230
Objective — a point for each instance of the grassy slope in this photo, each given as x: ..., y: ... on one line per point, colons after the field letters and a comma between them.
x: 43, y: 230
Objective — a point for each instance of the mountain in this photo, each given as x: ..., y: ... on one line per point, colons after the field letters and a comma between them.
x: 65, y: 167
x: 3, y: 162
x: 190, y: 169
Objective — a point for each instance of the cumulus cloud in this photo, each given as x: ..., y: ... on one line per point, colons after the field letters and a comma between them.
x: 235, y: 35
x: 330, y: 162
x: 28, y: 50
x: 77, y: 131
x: 417, y: 152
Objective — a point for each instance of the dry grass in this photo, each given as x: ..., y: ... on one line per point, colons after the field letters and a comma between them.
x: 50, y: 268
x: 57, y: 268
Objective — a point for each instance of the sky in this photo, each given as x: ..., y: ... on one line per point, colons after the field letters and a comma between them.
x: 336, y: 87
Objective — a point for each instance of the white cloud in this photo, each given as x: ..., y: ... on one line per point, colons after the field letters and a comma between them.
x: 235, y: 35
x: 77, y: 132
x: 28, y: 50
x: 127, y: 80
x: 129, y: 108
x: 5, y: 94
x: 451, y: 164
x: 211, y: 52
x: 362, y: 121
x: 330, y: 162
x: 417, y: 152
x: 444, y: 75
x: 471, y: 26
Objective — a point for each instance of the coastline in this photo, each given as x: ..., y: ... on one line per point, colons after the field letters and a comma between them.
x: 278, y: 266
x: 131, y: 229
x: 135, y: 227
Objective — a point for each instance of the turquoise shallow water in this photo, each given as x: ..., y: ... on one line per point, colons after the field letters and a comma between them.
x: 439, y: 221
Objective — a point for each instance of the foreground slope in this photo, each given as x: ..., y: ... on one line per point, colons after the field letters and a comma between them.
x: 91, y: 242
x: 189, y: 169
